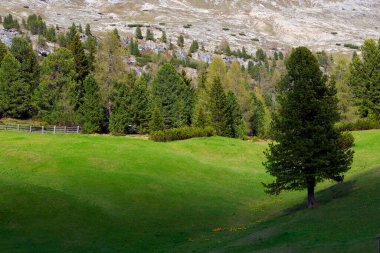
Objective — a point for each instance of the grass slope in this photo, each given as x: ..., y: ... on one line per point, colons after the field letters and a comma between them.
x: 62, y: 193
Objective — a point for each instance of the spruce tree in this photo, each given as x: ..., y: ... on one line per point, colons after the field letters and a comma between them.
x: 138, y: 33
x: 88, y: 30
x: 14, y: 91
x: 139, y: 109
x: 258, y: 117
x: 181, y: 41
x: 308, y: 147
x: 157, y: 121
x: 217, y: 106
x: 365, y: 79
x: 149, y: 35
x: 56, y: 97
x: 233, y: 117
x: 164, y: 38
x: 120, y: 120
x: 81, y: 61
x: 194, y: 47
x: 22, y: 50
x: 3, y: 50
x: 91, y: 110
x: 169, y: 92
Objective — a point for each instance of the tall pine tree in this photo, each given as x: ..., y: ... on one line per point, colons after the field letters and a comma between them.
x: 91, y: 110
x: 308, y: 147
x: 14, y: 91
x: 217, y: 106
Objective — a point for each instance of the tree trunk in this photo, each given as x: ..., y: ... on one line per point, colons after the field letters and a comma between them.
x: 311, y: 202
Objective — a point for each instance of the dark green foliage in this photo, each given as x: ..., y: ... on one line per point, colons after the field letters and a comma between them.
x: 346, y: 140
x: 361, y: 124
x: 88, y: 30
x: 50, y: 34
x: 139, y: 110
x: 138, y: 33
x: 81, y: 61
x: 80, y: 29
x: 91, y: 48
x: 281, y: 56
x: 233, y: 117
x: 134, y: 48
x: 10, y: 22
x: 120, y: 122
x: 217, y: 106
x: 71, y: 33
x: 164, y: 39
x: 170, y: 93
x: 182, y: 133
x: 261, y: 55
x: 14, y: 91
x: 36, y: 25
x: 157, y: 121
x: 365, y: 79
x: 307, y: 149
x: 258, y: 117
x: 275, y: 56
x: 254, y: 70
x: 3, y: 50
x: 194, y: 47
x: 181, y: 41
x: 149, y: 35
x: 91, y: 112
x: 30, y: 69
x: 56, y: 98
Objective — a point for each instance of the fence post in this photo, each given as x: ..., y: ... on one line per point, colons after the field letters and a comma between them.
x: 65, y: 129
x: 18, y: 127
x: 77, y: 129
x: 42, y: 129
x: 54, y: 129
x: 30, y: 128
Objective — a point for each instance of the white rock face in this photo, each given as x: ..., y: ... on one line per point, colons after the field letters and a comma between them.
x: 319, y: 24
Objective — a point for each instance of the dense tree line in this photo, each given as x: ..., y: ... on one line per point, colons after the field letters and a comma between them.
x: 88, y: 83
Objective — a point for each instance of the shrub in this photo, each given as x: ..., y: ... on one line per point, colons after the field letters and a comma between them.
x: 352, y: 46
x: 181, y: 133
x: 346, y: 140
x: 361, y: 124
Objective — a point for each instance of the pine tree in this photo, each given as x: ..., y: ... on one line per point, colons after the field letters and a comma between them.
x: 281, y: 56
x: 181, y: 41
x: 275, y: 56
x: 14, y: 91
x: 134, y: 48
x: 194, y: 47
x: 139, y: 110
x: 157, y: 121
x: 50, y: 34
x: 81, y: 61
x: 120, y: 121
x: 3, y: 51
x: 56, y: 97
x: 258, y: 117
x: 22, y: 50
x: 88, y: 30
x: 91, y: 110
x: 233, y: 117
x: 71, y: 33
x: 217, y: 105
x: 365, y: 79
x: 80, y: 29
x: 138, y: 33
x: 164, y: 39
x: 308, y: 147
x: 169, y: 92
x: 149, y: 35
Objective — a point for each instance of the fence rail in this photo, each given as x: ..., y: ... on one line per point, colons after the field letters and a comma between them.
x: 41, y: 129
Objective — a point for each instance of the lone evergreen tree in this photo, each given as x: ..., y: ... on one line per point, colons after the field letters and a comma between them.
x: 164, y: 39
x: 81, y: 62
x: 308, y: 148
x: 181, y: 41
x: 91, y: 111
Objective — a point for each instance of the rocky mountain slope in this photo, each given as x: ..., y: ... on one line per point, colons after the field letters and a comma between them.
x: 320, y: 24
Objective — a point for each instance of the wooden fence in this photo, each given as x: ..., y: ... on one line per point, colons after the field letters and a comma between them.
x: 41, y: 129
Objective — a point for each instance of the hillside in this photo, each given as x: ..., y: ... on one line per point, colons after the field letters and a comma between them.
x: 63, y: 193
x: 280, y: 24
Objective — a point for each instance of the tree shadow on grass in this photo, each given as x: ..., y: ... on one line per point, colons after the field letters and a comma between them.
x: 337, y: 191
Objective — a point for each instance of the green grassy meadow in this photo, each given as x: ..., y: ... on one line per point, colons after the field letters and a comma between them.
x: 81, y: 193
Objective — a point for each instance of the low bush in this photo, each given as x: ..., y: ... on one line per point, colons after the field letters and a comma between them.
x: 181, y: 133
x: 346, y: 140
x: 361, y: 124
